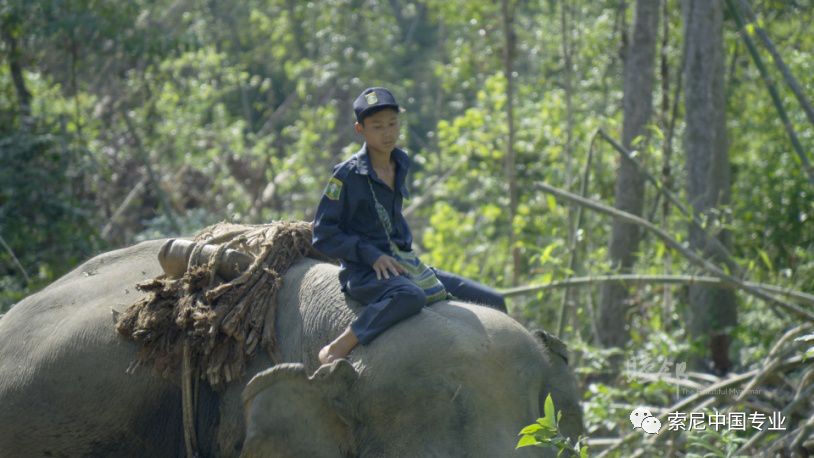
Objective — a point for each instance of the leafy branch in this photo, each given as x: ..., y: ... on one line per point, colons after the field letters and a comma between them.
x: 545, y: 432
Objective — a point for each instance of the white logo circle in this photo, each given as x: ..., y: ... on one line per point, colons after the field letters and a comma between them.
x: 643, y: 418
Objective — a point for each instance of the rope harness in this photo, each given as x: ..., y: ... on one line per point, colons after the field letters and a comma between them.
x: 205, y: 326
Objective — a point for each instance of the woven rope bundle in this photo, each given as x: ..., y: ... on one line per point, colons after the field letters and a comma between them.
x: 223, y: 322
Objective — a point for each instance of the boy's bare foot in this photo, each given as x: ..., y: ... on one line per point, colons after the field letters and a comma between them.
x: 339, y: 348
x: 326, y: 356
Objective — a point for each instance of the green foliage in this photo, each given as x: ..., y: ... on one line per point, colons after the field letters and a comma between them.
x: 43, y: 221
x: 545, y: 432
x: 710, y: 443
x: 254, y: 98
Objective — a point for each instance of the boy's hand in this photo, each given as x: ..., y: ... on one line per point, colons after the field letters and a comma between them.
x: 386, y: 265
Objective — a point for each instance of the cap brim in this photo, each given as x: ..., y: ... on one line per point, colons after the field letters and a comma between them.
x: 362, y: 113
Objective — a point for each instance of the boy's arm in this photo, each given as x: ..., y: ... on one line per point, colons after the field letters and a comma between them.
x: 329, y: 236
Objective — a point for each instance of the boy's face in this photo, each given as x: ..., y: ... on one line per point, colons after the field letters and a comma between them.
x: 381, y: 130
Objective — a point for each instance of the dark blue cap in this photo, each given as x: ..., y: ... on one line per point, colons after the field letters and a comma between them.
x: 373, y: 98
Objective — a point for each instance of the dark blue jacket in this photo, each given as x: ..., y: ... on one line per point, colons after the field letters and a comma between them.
x: 346, y: 225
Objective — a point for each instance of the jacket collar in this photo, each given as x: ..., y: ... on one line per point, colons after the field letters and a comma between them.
x: 363, y: 166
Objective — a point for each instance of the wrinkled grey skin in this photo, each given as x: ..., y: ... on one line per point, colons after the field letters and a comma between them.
x: 455, y: 380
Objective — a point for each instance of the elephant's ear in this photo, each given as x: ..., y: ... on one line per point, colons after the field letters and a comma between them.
x: 552, y: 343
x: 289, y: 414
x: 562, y: 387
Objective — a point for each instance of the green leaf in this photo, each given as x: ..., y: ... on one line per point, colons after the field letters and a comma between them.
x: 765, y: 258
x: 525, y: 441
x: 547, y: 277
x: 549, y: 409
x: 551, y: 202
x: 531, y: 429
x: 660, y: 250
x: 547, y: 423
x: 546, y: 435
x: 750, y: 29
x: 546, y: 255
x: 715, y: 451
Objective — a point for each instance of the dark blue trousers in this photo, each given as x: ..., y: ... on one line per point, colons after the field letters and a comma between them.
x: 389, y: 301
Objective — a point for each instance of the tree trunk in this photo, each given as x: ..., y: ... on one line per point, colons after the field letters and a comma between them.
x: 16, y: 70
x: 712, y: 311
x: 638, y: 109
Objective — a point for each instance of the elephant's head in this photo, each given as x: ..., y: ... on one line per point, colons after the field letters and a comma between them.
x: 454, y: 380
x: 289, y: 414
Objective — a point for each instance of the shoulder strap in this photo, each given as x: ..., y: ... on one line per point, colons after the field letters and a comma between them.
x: 384, y: 218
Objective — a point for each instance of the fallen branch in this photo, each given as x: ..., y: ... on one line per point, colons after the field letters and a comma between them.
x: 805, y: 430
x: 710, y: 392
x: 672, y: 243
x: 804, y: 396
x: 774, y: 364
x: 719, y: 247
x: 668, y: 279
x: 773, y: 360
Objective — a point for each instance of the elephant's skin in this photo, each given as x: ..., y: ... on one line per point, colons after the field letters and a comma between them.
x: 455, y: 380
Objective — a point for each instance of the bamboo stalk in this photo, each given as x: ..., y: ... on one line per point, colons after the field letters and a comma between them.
x: 805, y: 396
x: 672, y: 243
x: 128, y: 200
x: 509, y: 163
x: 666, y: 279
x: 778, y: 104
x: 721, y: 249
x: 572, y: 245
x: 15, y: 260
x: 431, y: 189
x: 772, y: 361
x: 660, y: 377
x: 803, y: 434
x: 708, y: 392
x: 754, y: 376
x: 666, y: 168
x: 778, y: 60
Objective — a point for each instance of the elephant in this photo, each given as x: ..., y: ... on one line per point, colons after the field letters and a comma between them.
x: 457, y: 379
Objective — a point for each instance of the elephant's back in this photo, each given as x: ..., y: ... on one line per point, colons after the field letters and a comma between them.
x: 80, y: 305
x: 63, y: 381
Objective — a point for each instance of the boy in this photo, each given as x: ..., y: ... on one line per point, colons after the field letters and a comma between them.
x: 359, y: 221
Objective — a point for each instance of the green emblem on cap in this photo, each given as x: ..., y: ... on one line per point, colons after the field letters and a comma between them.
x: 371, y: 98
x: 334, y: 188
